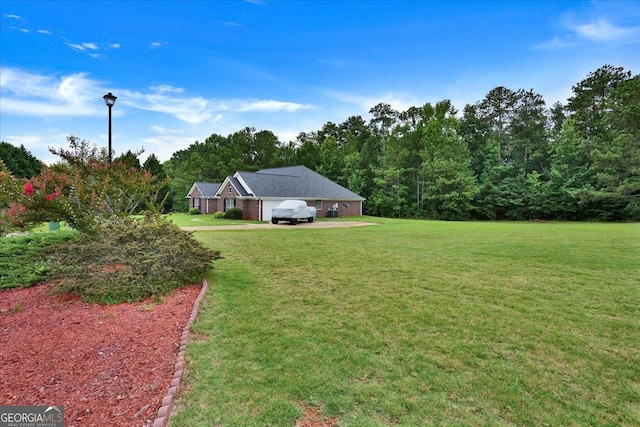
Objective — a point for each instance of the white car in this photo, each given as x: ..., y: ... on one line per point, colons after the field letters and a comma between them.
x: 292, y: 211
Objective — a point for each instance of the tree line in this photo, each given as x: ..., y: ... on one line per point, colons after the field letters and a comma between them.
x: 508, y: 156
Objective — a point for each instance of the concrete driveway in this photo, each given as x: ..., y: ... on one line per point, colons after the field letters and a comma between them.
x: 282, y: 225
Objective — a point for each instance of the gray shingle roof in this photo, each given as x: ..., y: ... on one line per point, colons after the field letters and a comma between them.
x: 294, y: 182
x: 208, y: 189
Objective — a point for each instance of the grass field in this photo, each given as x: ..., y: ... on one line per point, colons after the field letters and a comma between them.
x: 186, y: 220
x: 419, y: 323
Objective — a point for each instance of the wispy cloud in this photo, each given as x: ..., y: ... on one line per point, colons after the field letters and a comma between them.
x: 47, y: 32
x: 594, y: 25
x: 603, y: 31
x: 196, y: 109
x: 19, y: 20
x: 82, y: 47
x: 90, y: 48
x: 156, y: 45
x: 231, y: 24
x: 555, y: 43
x: 398, y: 101
x: 163, y: 142
x: 269, y: 106
x: 193, y: 109
x: 167, y: 89
x: 29, y: 94
x: 15, y: 17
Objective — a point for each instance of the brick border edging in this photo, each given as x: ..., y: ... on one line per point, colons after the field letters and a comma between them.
x: 167, y: 402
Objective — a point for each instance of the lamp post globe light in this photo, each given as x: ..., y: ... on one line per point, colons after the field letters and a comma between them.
x: 110, y: 100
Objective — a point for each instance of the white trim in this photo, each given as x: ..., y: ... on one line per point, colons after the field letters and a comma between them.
x: 242, y: 182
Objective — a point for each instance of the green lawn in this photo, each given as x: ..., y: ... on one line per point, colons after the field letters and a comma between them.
x: 419, y: 323
x: 187, y: 220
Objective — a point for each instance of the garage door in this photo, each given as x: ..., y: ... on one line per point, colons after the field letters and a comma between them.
x: 267, y: 205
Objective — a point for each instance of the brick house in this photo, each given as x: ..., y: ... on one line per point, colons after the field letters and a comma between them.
x: 256, y: 193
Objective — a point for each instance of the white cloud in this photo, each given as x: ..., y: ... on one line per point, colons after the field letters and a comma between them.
x: 167, y: 89
x: 47, y: 32
x: 82, y: 47
x: 166, y: 142
x: 270, y: 106
x: 230, y: 24
x: 603, y: 31
x: 555, y: 43
x: 16, y: 17
x: 399, y: 102
x: 196, y: 109
x: 30, y: 94
x: 598, y: 23
x: 156, y: 45
x: 90, y: 48
x: 188, y: 109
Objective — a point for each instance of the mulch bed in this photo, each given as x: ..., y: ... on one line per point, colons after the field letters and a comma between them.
x: 108, y: 365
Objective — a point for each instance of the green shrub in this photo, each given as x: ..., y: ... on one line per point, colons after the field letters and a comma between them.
x: 233, y: 213
x: 23, y: 259
x: 194, y: 211
x: 131, y: 260
x: 219, y: 215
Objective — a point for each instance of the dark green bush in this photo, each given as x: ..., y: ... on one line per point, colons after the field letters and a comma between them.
x: 131, y: 260
x: 23, y: 259
x: 233, y: 213
x: 194, y: 211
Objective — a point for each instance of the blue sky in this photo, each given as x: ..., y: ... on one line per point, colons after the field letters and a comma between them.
x: 183, y: 70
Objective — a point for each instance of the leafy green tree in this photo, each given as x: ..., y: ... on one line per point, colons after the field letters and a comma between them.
x: 500, y: 188
x: 529, y: 132
x: 616, y: 160
x: 155, y: 168
x: 267, y: 150
x: 331, y: 160
x: 497, y: 109
x: 130, y: 159
x: 446, y: 168
x: 557, y: 116
x: 588, y: 105
x: 83, y: 190
x: 569, y: 174
x: 20, y: 162
x: 476, y: 132
x: 307, y: 150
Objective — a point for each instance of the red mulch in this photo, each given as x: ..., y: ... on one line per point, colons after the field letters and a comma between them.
x: 107, y: 365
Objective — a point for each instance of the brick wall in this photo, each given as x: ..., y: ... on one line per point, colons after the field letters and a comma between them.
x: 354, y: 208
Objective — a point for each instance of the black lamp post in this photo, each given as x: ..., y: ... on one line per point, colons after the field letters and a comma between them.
x: 110, y: 100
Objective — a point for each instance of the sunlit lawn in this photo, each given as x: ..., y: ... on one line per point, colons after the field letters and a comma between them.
x: 187, y: 220
x: 419, y: 323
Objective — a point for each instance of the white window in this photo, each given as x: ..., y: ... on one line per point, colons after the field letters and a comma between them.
x: 319, y: 205
x: 196, y: 203
x: 229, y: 203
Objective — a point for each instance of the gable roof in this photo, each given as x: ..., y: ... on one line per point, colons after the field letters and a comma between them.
x: 292, y: 182
x: 207, y: 189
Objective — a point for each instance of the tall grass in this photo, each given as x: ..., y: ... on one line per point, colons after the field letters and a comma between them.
x: 420, y: 323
